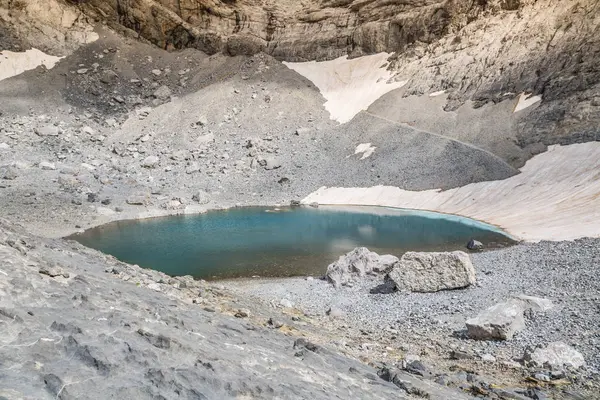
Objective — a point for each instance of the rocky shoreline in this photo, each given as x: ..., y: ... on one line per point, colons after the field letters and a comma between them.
x: 119, y: 129
x: 378, y: 325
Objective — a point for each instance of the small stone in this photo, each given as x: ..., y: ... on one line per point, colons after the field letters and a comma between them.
x: 138, y: 200
x: 150, y: 162
x: 286, y: 303
x: 82, y: 71
x: 156, y: 72
x: 541, y: 377
x: 242, y: 313
x: 4, y: 146
x: 461, y: 355
x: 162, y: 93
x: 335, y: 312
x: 48, y: 130
x: 154, y: 286
x: 53, y: 271
x: 474, y: 245
x: 202, y: 121
x: 201, y: 197
x: 488, y: 358
x: 47, y: 166
x: 274, y: 323
x: 88, y: 130
x: 192, y: 168
x: 8, y: 173
x: 92, y: 197
x: 302, y: 131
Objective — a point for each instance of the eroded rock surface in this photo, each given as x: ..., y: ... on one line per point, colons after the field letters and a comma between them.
x: 431, y: 272
x: 555, y: 355
x: 503, y: 320
x: 358, y: 263
x: 119, y: 331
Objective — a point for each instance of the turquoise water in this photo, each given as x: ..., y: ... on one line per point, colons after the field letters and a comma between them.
x: 243, y: 242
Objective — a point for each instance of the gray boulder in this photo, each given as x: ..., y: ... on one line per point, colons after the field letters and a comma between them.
x: 503, y: 320
x: 555, y: 355
x: 431, y: 272
x: 358, y: 263
x: 499, y: 322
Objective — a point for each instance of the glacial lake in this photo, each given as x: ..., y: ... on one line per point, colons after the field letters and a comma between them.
x: 269, y: 242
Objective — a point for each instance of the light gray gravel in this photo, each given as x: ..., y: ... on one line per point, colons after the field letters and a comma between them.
x: 565, y: 272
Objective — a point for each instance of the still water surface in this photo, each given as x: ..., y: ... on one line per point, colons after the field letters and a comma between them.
x: 244, y: 242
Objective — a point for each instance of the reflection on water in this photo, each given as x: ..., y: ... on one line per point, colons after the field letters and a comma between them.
x: 283, y: 242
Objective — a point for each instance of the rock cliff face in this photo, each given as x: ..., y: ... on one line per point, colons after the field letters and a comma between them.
x: 485, y: 50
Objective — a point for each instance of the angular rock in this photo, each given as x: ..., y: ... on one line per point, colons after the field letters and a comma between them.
x: 555, y: 355
x: 138, y: 200
x: 270, y: 163
x: 534, y: 303
x: 48, y: 130
x: 192, y: 168
x: 162, y: 93
x: 357, y: 263
x: 47, y: 166
x: 431, y: 272
x: 53, y: 271
x: 474, y: 245
x: 499, y: 322
x: 201, y: 197
x: 150, y: 162
x: 286, y: 303
x: 8, y: 173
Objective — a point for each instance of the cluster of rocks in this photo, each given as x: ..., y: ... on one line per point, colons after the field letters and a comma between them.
x: 544, y: 362
x: 414, y: 271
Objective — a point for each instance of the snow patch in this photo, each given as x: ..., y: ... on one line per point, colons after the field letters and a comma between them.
x: 366, y: 149
x: 15, y: 63
x: 526, y: 100
x: 553, y: 198
x: 349, y: 86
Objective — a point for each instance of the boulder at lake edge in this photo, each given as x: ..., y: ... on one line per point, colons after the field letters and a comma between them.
x: 431, y: 272
x: 358, y: 263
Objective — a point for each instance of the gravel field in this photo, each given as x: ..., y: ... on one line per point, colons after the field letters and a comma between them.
x: 564, y: 272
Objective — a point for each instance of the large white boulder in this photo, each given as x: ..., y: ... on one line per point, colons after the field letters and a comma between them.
x: 431, y: 272
x: 358, y: 263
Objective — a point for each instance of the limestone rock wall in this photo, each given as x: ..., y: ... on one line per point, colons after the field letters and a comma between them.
x: 486, y: 51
